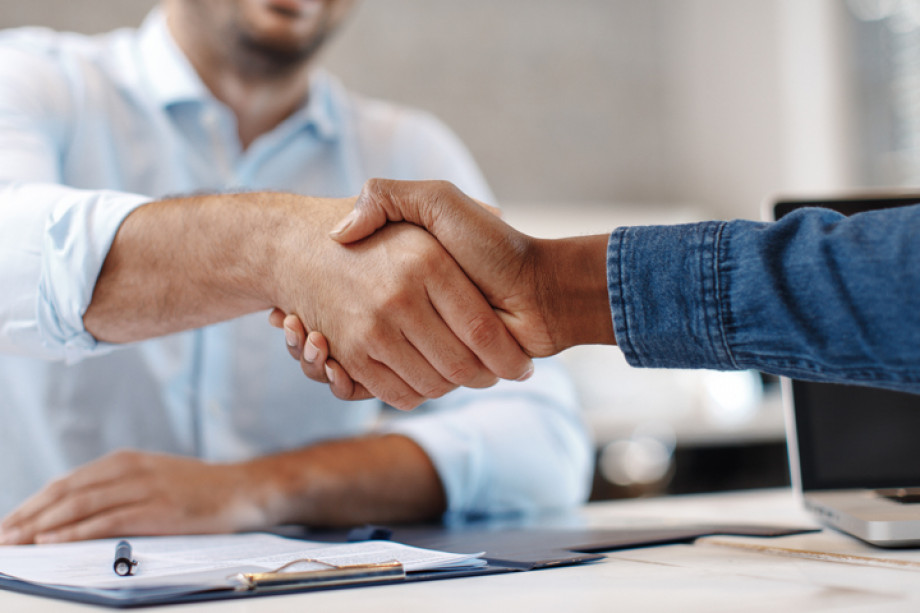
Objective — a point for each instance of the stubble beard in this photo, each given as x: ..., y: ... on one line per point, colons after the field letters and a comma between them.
x: 261, y: 58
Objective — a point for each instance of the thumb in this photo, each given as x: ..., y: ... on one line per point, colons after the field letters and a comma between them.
x: 361, y: 222
x: 376, y: 205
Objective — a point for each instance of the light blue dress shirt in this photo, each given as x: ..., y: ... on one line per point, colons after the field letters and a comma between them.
x: 91, y: 128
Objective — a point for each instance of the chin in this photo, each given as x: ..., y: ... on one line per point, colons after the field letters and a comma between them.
x: 278, y: 35
x: 285, y: 23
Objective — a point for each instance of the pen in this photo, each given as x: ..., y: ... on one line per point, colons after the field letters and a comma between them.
x: 124, y: 564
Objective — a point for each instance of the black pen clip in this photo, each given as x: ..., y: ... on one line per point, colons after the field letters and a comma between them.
x: 124, y: 561
x: 124, y: 566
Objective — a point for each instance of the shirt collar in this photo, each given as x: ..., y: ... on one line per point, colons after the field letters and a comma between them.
x: 173, y: 80
x: 170, y: 76
x: 327, y: 98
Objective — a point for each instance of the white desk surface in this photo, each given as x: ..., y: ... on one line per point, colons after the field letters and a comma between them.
x: 705, y: 576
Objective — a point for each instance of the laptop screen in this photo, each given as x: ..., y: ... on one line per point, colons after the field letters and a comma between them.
x: 856, y: 437
x: 850, y: 436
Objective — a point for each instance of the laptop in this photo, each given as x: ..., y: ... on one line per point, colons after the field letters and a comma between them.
x: 854, y: 452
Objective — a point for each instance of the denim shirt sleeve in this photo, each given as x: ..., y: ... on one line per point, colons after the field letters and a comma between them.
x: 815, y: 295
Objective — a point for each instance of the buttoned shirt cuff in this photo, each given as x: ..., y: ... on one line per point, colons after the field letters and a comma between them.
x: 76, y: 242
x: 667, y: 294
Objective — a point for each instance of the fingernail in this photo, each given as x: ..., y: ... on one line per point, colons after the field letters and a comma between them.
x: 343, y: 225
x: 329, y: 374
x: 310, y: 351
x: 527, y: 374
x: 290, y: 337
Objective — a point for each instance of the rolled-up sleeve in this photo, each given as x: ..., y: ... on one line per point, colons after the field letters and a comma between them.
x: 512, y: 448
x: 53, y: 242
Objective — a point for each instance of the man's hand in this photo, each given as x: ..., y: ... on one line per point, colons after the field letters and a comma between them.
x: 371, y: 479
x: 507, y: 265
x: 137, y: 493
x: 399, y: 313
x: 551, y: 294
x: 396, y: 308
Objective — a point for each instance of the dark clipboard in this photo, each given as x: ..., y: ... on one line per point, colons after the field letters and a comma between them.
x: 507, y: 550
x: 341, y: 578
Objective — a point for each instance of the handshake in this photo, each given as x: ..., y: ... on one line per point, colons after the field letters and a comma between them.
x: 470, y: 302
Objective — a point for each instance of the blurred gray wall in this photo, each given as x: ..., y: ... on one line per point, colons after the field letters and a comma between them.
x: 89, y: 16
x: 559, y: 101
x: 583, y: 101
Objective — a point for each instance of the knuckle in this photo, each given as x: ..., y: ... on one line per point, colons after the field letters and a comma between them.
x: 445, y: 192
x: 374, y: 185
x: 483, y: 331
x: 396, y: 301
x: 380, y: 337
x: 313, y: 371
x: 444, y: 186
x: 124, y: 457
x: 487, y: 380
x: 375, y: 193
x: 58, y: 487
x: 404, y: 400
x: 81, y: 505
x: 121, y: 523
x: 343, y: 392
x: 141, y: 462
x: 463, y: 372
x: 436, y: 390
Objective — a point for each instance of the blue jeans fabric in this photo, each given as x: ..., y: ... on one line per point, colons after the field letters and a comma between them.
x: 815, y: 295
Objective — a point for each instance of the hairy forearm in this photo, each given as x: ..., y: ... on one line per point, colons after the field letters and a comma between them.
x: 188, y: 262
x: 349, y: 482
x: 571, y: 282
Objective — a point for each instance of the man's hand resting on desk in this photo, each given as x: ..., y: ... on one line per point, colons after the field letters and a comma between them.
x: 551, y: 294
x: 348, y: 482
x: 136, y: 493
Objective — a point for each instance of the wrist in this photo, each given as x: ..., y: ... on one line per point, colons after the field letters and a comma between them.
x: 293, y: 231
x: 574, y: 291
x: 376, y: 478
x: 287, y: 487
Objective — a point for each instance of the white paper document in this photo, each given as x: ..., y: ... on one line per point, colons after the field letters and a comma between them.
x: 176, y: 563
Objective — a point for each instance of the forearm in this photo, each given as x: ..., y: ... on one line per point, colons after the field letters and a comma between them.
x: 188, y: 262
x: 349, y: 482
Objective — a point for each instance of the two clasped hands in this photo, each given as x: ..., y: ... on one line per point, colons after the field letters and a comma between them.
x: 518, y: 297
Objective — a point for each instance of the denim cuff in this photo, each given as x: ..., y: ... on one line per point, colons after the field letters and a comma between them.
x: 666, y: 297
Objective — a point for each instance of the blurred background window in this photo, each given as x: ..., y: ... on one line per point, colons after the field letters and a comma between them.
x: 886, y: 37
